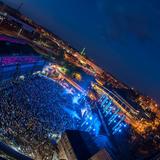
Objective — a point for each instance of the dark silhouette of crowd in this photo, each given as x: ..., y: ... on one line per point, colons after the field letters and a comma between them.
x: 32, y: 114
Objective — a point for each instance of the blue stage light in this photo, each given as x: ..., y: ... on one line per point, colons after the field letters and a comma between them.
x: 75, y: 100
x: 90, y: 118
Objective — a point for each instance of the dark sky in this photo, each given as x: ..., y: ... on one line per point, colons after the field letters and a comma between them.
x: 121, y: 36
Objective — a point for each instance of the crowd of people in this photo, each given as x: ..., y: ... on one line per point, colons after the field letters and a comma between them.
x: 32, y: 113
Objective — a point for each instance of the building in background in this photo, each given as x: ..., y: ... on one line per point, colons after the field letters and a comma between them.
x: 101, y: 155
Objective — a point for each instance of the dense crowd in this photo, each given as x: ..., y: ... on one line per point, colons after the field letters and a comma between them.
x: 31, y: 111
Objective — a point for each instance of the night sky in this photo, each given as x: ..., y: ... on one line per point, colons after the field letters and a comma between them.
x: 122, y: 36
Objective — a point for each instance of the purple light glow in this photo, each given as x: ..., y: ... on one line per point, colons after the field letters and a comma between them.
x: 11, y: 40
x: 18, y: 59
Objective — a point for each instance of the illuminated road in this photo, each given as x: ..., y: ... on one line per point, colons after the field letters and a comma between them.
x: 139, y: 124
